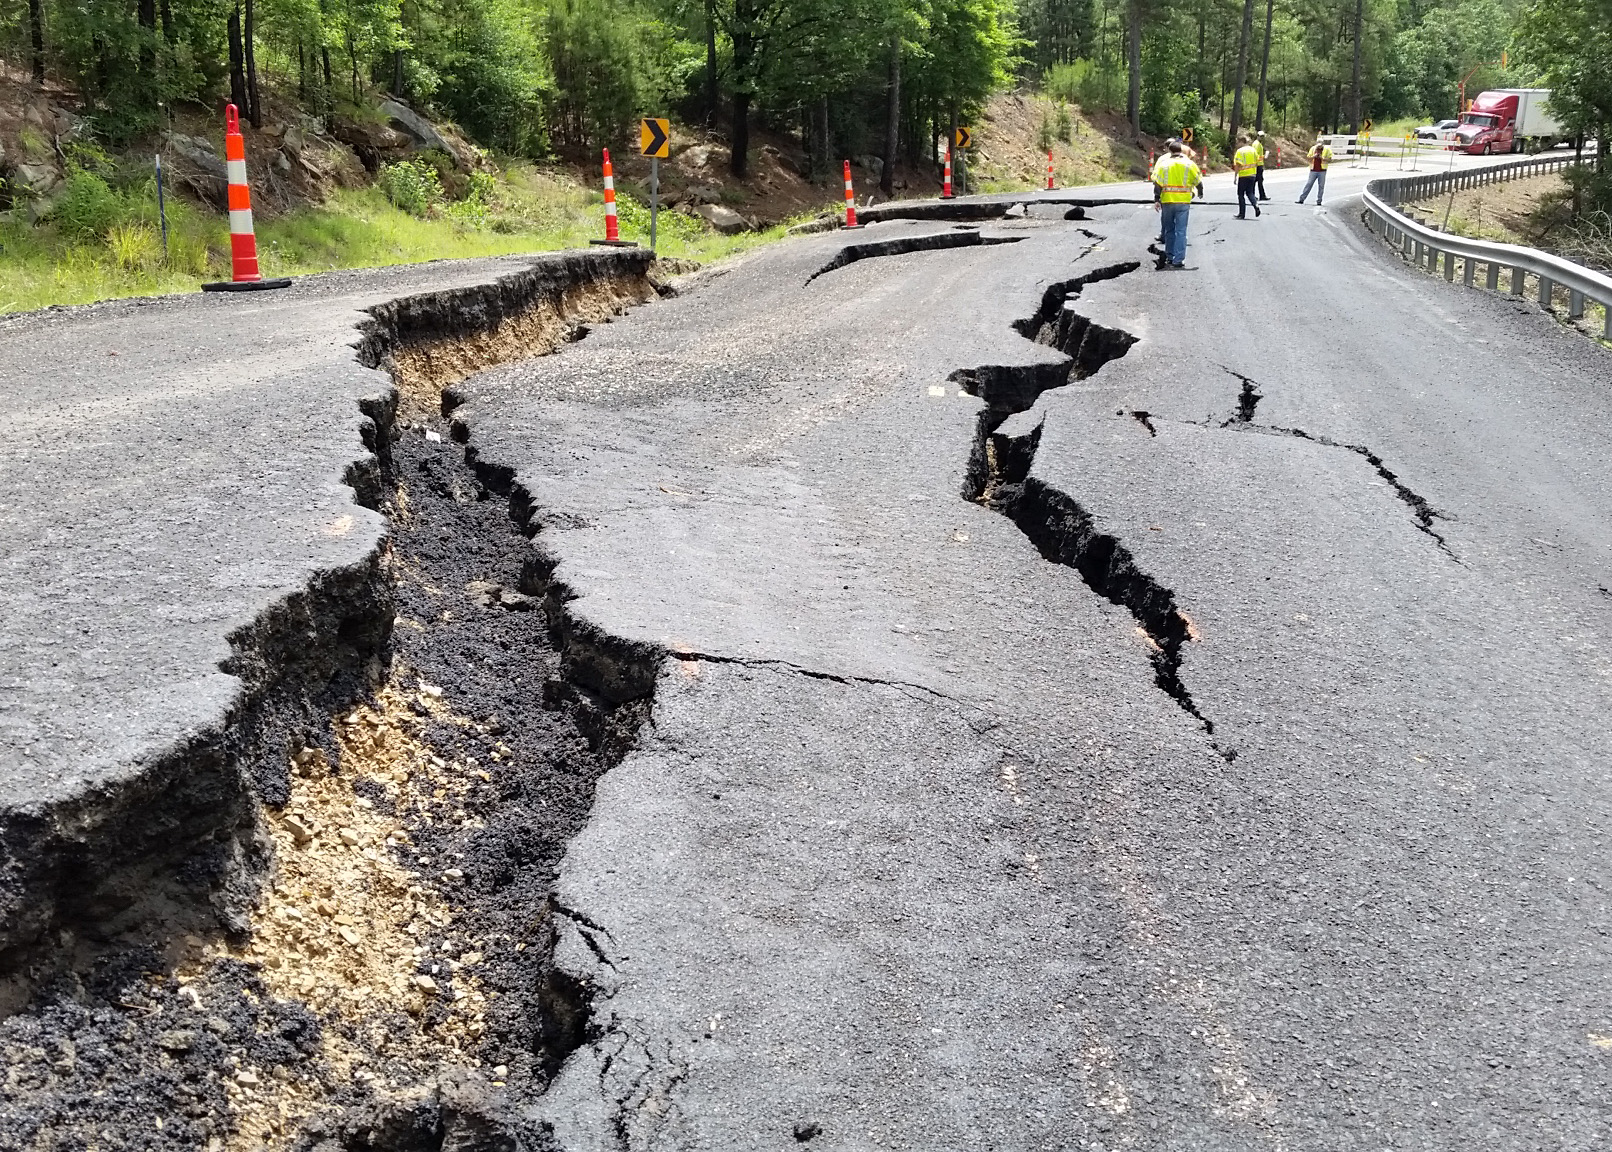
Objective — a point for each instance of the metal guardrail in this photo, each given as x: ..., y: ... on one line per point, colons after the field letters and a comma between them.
x: 1426, y: 247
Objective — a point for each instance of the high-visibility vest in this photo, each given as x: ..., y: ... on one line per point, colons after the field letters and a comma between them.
x: 1246, y: 160
x: 1259, y: 150
x: 1325, y: 151
x: 1176, y: 177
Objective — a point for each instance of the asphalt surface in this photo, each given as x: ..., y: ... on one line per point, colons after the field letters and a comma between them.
x: 917, y: 852
x: 914, y: 850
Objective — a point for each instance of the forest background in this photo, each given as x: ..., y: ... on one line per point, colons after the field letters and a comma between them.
x: 882, y: 78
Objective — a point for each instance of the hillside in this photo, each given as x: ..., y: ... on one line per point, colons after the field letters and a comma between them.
x: 377, y: 182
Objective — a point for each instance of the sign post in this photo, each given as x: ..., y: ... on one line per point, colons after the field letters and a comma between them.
x: 654, y: 141
x: 964, y: 141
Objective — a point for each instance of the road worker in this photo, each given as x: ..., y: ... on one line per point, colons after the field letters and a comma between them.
x: 1246, y: 161
x: 1320, y: 156
x: 1174, y: 178
x: 1261, y: 144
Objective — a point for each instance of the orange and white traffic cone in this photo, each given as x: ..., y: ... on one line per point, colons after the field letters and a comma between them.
x: 612, y: 228
x: 1049, y: 170
x: 946, y: 181
x: 244, y: 274
x: 850, y: 199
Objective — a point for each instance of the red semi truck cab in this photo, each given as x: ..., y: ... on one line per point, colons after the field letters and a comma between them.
x: 1505, y: 120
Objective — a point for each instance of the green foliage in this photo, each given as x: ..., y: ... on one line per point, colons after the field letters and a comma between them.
x: 412, y: 185
x: 1092, y: 85
x: 88, y: 207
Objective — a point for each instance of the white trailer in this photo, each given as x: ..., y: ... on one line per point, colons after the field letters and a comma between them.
x: 1534, y: 121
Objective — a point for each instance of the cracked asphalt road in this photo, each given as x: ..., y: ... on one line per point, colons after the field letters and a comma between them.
x: 914, y: 852
x: 998, y: 891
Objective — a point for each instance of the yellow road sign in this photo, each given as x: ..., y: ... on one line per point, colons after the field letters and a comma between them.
x: 655, y: 138
x: 1365, y: 125
x: 965, y: 138
x: 1186, y: 135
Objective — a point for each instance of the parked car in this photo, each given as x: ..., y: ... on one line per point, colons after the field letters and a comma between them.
x: 1443, y: 130
x: 1507, y: 120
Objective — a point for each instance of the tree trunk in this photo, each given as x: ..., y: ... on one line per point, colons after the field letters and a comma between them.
x: 828, y: 142
x: 1240, y: 77
x: 1265, y: 64
x: 36, y: 39
x: 1133, y: 56
x: 892, y: 124
x: 168, y: 32
x: 250, y: 37
x: 397, y: 72
x: 1354, y: 84
x: 146, y: 14
x: 742, y: 34
x: 740, y: 135
x: 237, y: 62
x: 302, y: 73
x: 324, y: 54
x: 710, y: 64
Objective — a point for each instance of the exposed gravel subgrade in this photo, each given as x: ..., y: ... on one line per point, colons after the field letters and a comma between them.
x: 100, y: 1060
x: 467, y: 626
x: 178, y: 841
x: 901, y: 245
x: 1062, y: 530
x: 134, y: 1022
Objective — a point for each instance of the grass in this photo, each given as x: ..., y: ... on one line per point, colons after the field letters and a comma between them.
x: 528, y: 211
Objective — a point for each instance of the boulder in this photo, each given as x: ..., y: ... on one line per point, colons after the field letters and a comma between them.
x: 36, y: 179
x: 821, y: 224
x: 420, y: 130
x: 724, y: 220
x: 375, y: 144
x: 200, y: 168
x: 703, y: 194
x: 694, y: 158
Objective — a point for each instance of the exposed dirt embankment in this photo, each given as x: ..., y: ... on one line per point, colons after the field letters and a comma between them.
x: 366, y: 957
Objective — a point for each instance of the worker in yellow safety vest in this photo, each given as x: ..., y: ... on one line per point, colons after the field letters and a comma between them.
x: 1320, y: 156
x: 1246, y: 161
x: 1260, y: 145
x: 1174, y: 178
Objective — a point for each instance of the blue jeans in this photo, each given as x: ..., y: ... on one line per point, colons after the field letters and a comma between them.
x: 1173, y: 228
x: 1318, y: 181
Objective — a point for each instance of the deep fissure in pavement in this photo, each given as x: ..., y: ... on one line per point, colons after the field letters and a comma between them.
x: 421, y: 740
x: 1247, y: 399
x: 1061, y: 529
x: 901, y: 245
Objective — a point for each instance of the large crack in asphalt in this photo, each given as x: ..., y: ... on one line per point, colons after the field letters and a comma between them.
x: 901, y: 245
x: 1062, y: 530
x: 1422, y: 511
x: 366, y: 954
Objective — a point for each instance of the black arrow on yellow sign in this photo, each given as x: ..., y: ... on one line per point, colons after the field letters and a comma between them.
x: 655, y: 138
x: 965, y: 138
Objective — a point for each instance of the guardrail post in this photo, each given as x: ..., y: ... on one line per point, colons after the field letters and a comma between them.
x: 1494, y: 277
x: 1449, y: 266
x: 1545, y: 287
x: 1468, y: 266
x: 1575, y: 305
x: 1606, y: 308
x: 1517, y: 276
